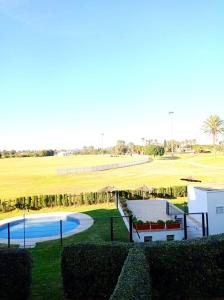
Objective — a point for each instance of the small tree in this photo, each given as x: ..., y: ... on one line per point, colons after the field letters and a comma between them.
x: 154, y: 150
x: 120, y: 147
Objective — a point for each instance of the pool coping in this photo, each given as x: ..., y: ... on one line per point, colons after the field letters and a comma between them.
x: 85, y: 222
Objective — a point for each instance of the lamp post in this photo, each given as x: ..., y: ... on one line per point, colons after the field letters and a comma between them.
x: 171, y: 128
x: 102, y: 136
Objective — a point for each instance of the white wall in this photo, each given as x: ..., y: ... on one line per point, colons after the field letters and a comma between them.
x: 215, y: 220
x: 159, y: 235
x: 197, y: 200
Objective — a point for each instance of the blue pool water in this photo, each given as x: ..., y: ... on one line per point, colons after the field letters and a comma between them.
x: 38, y: 228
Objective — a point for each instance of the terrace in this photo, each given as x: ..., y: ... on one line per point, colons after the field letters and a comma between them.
x: 154, y: 220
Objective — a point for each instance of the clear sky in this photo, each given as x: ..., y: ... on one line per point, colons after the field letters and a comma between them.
x: 70, y: 70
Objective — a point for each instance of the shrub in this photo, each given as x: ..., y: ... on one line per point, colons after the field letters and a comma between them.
x: 161, y: 222
x: 187, y: 269
x: 15, y: 274
x: 172, y: 222
x: 134, y: 281
x: 90, y: 271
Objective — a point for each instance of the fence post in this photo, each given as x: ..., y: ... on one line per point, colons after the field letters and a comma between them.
x: 8, y: 235
x: 111, y: 229
x: 185, y: 226
x: 116, y: 198
x: 207, y: 230
x: 131, y: 228
x: 167, y: 208
x: 203, y: 223
x: 24, y: 232
x: 61, y: 231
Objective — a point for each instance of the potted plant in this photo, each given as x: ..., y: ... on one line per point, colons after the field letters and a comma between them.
x: 140, y: 225
x: 160, y: 224
x: 172, y: 224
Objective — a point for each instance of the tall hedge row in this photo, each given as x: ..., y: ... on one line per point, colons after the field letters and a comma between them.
x: 15, y: 274
x: 162, y: 192
x: 90, y: 271
x: 175, y: 270
x: 134, y: 280
x: 41, y: 201
x: 187, y: 269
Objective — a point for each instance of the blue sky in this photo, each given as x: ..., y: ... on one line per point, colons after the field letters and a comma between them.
x: 70, y: 70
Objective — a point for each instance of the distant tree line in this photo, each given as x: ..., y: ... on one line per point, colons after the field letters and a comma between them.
x: 26, y: 153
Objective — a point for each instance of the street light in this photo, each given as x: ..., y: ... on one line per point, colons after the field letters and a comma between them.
x: 102, y: 135
x: 171, y: 127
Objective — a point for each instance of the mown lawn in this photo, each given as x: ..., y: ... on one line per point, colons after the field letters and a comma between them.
x: 46, y: 274
x: 35, y: 176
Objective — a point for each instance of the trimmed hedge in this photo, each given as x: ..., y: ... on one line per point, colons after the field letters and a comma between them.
x: 41, y: 201
x: 161, y: 192
x: 134, y: 281
x: 15, y: 274
x: 90, y: 271
x: 187, y: 269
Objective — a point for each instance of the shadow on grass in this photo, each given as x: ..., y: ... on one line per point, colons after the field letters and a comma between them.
x: 46, y: 274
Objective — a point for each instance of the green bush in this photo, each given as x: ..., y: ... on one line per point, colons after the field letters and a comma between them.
x: 41, y: 201
x: 187, y: 269
x: 134, y: 281
x: 90, y: 271
x: 15, y: 274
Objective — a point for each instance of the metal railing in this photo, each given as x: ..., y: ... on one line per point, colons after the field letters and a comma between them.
x: 108, y: 229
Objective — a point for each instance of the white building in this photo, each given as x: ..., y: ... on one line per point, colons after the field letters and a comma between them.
x: 210, y: 201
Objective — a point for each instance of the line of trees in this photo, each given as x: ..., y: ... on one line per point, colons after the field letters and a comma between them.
x: 26, y: 153
x: 213, y: 126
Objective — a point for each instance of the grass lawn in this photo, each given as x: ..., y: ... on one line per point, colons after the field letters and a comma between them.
x: 35, y: 176
x: 46, y: 279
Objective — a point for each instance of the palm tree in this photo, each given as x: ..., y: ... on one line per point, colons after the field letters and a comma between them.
x: 213, y: 126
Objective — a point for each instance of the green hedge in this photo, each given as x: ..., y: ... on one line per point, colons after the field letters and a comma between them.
x: 187, y: 269
x: 178, y: 270
x: 134, y: 280
x: 15, y: 274
x: 41, y: 201
x: 90, y: 271
x: 161, y: 192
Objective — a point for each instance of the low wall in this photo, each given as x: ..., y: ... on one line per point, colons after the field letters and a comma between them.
x: 66, y: 171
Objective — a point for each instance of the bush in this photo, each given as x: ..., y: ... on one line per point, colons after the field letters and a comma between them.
x: 15, y: 274
x: 134, y: 281
x: 90, y: 271
x: 187, y: 269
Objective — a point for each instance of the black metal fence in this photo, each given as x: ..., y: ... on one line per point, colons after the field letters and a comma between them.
x: 27, y: 233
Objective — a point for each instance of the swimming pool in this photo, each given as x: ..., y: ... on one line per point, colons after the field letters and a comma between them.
x: 30, y: 229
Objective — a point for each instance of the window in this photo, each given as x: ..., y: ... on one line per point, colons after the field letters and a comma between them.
x: 148, y: 239
x: 220, y: 209
x: 170, y: 237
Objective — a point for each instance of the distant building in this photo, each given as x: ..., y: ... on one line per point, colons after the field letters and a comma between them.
x: 184, y: 149
x: 64, y: 153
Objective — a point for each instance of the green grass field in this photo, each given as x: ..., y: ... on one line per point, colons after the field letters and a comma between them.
x: 46, y: 274
x: 29, y: 176
x: 34, y: 176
